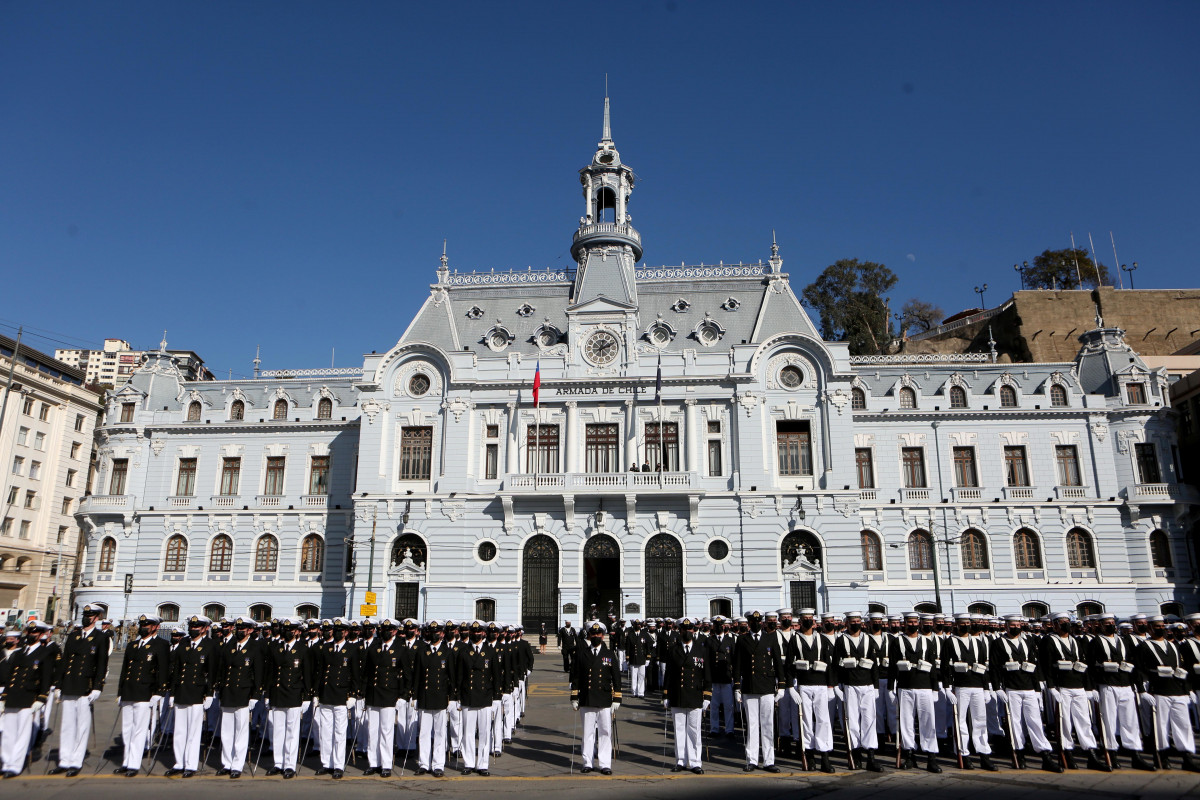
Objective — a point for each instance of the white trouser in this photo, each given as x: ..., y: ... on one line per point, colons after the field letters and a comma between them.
x: 918, y: 704
x: 860, y: 716
x: 477, y: 737
x: 189, y: 722
x: 1118, y: 707
x: 510, y: 717
x: 621, y: 659
x: 789, y: 721
x: 454, y: 728
x: 596, y: 720
x: 637, y: 680
x: 42, y: 719
x: 814, y: 705
x: 520, y: 698
x: 1173, y: 721
x: 381, y: 733
x: 886, y: 714
x: 135, y: 730
x: 408, y: 724
x: 285, y: 736
x: 360, y: 725
x: 1076, y: 712
x: 662, y: 673
x: 1025, y: 714
x: 497, y: 726
x: 687, y: 736
x: 722, y: 698
x: 993, y: 714
x: 760, y: 728
x: 235, y: 737
x: 431, y: 754
x: 74, y: 728
x: 332, y: 730
x: 16, y: 727
x: 972, y: 720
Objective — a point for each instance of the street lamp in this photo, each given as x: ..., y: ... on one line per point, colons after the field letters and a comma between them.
x: 1130, y: 271
x: 1021, y: 268
x: 979, y: 290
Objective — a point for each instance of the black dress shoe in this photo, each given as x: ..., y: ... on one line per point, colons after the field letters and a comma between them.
x: 72, y: 772
x: 748, y: 768
x: 322, y: 771
x: 223, y: 771
x: 985, y: 763
x: 605, y: 771
x: 1050, y: 764
x: 274, y: 771
x: 932, y: 765
x: 337, y: 774
x: 437, y: 773
x: 370, y: 770
x: 507, y: 741
x: 189, y: 773
x: 119, y: 771
x: 584, y: 770
x: 385, y: 773
x: 235, y: 774
x: 422, y: 771
x: 289, y: 774
x: 467, y: 771
x: 57, y: 770
x: 131, y: 773
x: 698, y: 770
x: 483, y: 773
x: 677, y: 768
x: 771, y: 768
x: 8, y: 775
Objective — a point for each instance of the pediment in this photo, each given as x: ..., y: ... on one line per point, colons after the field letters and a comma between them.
x: 600, y: 305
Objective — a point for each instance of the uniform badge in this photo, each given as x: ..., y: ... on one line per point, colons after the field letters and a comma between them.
x: 201, y: 658
x: 295, y: 663
x: 345, y: 662
x: 149, y: 657
x: 247, y: 662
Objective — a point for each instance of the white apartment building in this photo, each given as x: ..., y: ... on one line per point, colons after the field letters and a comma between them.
x: 115, y: 362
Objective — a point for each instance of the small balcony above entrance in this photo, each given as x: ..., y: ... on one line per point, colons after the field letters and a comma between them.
x: 601, y: 482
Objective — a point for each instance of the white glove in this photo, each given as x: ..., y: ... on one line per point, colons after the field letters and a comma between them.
x: 171, y: 701
x: 1094, y: 696
x: 118, y: 699
x: 93, y: 696
x: 838, y: 693
x: 305, y: 706
x: 253, y: 703
x: 666, y: 703
x: 156, y: 701
x: 778, y: 695
x: 615, y: 706
x: 575, y: 704
x: 350, y: 701
x: 1056, y: 694
x: 37, y: 706
x: 1, y: 706
x: 707, y: 703
x: 795, y: 694
x: 208, y: 701
x: 951, y: 696
x: 55, y: 693
x: 737, y: 695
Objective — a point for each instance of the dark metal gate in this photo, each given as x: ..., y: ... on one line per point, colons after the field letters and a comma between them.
x: 406, y: 601
x: 539, y: 585
x: 664, y: 577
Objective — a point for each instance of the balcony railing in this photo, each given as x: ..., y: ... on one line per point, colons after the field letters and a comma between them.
x: 1071, y: 492
x: 967, y: 493
x: 314, y: 500
x: 1018, y: 492
x: 914, y: 495
x: 180, y: 501
x: 868, y: 495
x: 106, y: 503
x: 226, y: 500
x: 269, y: 500
x: 602, y: 481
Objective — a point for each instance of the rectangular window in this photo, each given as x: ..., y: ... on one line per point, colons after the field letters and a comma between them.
x: 44, y: 412
x: 416, y: 454
x: 1147, y: 463
x: 18, y: 465
x: 493, y: 431
x: 6, y: 527
x: 913, y: 460
x: 274, y: 483
x: 865, y: 465
x: 491, y: 461
x: 1136, y: 392
x: 1016, y: 469
x: 62, y: 534
x: 127, y: 412
x: 794, y: 446
x: 669, y: 432
x: 79, y: 422
x: 39, y: 441
x: 965, y: 474
x: 714, y: 458
x: 22, y: 435
x: 600, y: 447
x: 35, y: 470
x: 66, y: 506
x: 27, y: 407
x: 318, y: 476
x: 75, y: 447
x: 71, y: 475
x: 120, y: 471
x: 13, y: 491
x: 30, y: 498
x: 1067, y: 457
x: 714, y: 427
x: 541, y: 447
x: 185, y: 484
x: 25, y: 524
x: 231, y: 475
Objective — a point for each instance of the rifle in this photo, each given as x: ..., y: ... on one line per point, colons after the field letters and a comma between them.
x: 1103, y: 731
x: 846, y: 730
x: 800, y: 714
x: 957, y: 730
x: 899, y: 739
x: 1154, y: 725
x: 104, y: 761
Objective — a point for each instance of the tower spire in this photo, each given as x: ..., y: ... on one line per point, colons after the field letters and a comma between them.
x: 607, y: 136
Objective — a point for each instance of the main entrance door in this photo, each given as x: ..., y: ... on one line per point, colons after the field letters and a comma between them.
x: 601, y: 577
x: 664, y: 577
x: 539, y: 585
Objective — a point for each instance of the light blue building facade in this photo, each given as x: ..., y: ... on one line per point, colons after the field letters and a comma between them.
x: 791, y: 473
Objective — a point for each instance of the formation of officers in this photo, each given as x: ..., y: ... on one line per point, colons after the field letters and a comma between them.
x: 368, y: 688
x: 1056, y: 689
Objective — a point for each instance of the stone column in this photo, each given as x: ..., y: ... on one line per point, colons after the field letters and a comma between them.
x: 693, y: 434
x: 572, y: 460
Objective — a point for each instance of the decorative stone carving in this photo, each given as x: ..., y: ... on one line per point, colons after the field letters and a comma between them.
x: 157, y: 444
x: 371, y: 407
x: 457, y: 406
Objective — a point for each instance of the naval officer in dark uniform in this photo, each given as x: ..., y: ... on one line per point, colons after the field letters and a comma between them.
x: 193, y: 684
x: 596, y: 695
x: 289, y: 683
x: 687, y: 693
x: 145, y: 674
x: 25, y: 680
x: 80, y: 678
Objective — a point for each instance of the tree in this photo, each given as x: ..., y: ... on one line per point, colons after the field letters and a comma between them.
x: 849, y: 300
x: 919, y: 316
x: 1056, y: 269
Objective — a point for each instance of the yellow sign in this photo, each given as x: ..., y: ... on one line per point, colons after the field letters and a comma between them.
x: 367, y: 610
x: 371, y: 598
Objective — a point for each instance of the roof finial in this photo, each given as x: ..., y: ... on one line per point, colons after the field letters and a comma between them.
x: 992, y: 346
x: 162, y: 346
x: 607, y: 137
x: 445, y: 261
x: 776, y: 262
x: 257, y: 361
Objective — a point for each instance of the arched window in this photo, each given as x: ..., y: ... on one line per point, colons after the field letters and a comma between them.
x: 799, y: 544
x: 1035, y: 610
x: 214, y: 611
x: 412, y: 543
x: 1087, y: 608
x: 1079, y: 550
x: 926, y: 608
x: 220, y: 559
x: 176, y: 560
x: 958, y: 397
x: 5, y: 558
x: 237, y: 410
x: 1058, y: 396
x: 872, y: 552
x: 169, y: 612
x: 1026, y: 552
x: 260, y: 612
x: 307, y: 611
x: 982, y: 608
x: 876, y: 608
x: 312, y: 553
x: 281, y: 409
x: 974, y: 550
x: 194, y: 410
x: 108, y: 555
x: 1171, y: 609
x: 858, y: 399
x: 325, y: 408
x: 908, y: 398
x: 266, y: 555
x: 1008, y: 397
x: 1160, y: 550
x: 920, y: 551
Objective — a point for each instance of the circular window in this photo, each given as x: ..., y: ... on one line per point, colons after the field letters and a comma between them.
x: 418, y: 385
x: 486, y: 552
x: 718, y: 550
x: 547, y: 337
x: 709, y: 334
x: 791, y: 377
x: 498, y: 340
x: 660, y: 335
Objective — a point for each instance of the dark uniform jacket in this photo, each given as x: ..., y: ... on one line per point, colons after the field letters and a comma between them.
x: 1064, y: 662
x: 335, y: 673
x: 758, y: 665
x: 436, y: 683
x: 810, y: 663
x: 688, y: 676
x: 524, y: 658
x: 288, y: 674
x: 856, y: 663
x: 1157, y: 659
x: 595, y: 677
x: 194, y: 671
x: 508, y: 667
x: 1113, y: 662
x: 408, y: 665
x: 384, y: 679
x: 1026, y: 675
x: 240, y: 673
x: 720, y: 650
x: 637, y: 648
x: 145, y: 672
x: 909, y: 662
x: 1189, y: 648
x: 478, y: 676
x: 84, y: 663
x: 966, y: 662
x: 27, y: 676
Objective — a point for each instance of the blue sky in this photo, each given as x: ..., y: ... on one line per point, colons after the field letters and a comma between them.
x: 283, y: 174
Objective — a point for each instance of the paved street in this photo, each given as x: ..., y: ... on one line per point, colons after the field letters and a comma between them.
x: 540, y: 758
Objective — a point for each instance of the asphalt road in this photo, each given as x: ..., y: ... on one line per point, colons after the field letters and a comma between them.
x: 541, y: 759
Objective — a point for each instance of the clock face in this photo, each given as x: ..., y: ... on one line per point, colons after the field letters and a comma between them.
x: 601, y: 348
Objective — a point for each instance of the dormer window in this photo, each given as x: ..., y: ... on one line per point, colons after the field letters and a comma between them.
x: 280, y: 410
x: 325, y: 408
x: 1058, y: 396
x: 237, y: 411
x: 660, y: 334
x: 193, y: 413
x: 474, y: 312
x: 525, y: 310
x: 1008, y: 397
x: 498, y: 338
x: 958, y: 397
x: 1135, y: 393
x: 908, y: 398
x: 708, y: 332
x: 680, y: 306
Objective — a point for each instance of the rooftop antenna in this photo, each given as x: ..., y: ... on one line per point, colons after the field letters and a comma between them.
x: 1076, y: 257
x: 332, y: 353
x: 1117, y: 261
x: 256, y: 361
x: 1095, y: 260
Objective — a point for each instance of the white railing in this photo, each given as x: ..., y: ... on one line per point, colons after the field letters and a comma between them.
x: 225, y: 500
x: 868, y: 494
x: 508, y: 277
x: 978, y: 316
x: 352, y: 372
x: 923, y: 358
x: 587, y: 231
x: 269, y: 500
x: 106, y: 502
x: 1071, y: 492
x: 914, y: 495
x: 963, y: 493
x: 602, y: 481
x: 1018, y: 492
x: 314, y: 500
x: 720, y: 270
x: 180, y: 501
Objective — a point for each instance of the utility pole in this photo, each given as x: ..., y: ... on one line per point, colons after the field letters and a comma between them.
x: 371, y: 562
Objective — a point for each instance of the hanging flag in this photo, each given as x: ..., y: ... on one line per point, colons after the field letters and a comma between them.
x: 658, y: 382
x: 537, y: 384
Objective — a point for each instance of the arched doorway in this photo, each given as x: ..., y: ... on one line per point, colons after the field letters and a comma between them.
x: 664, y: 577
x: 539, y: 584
x: 601, y: 576
x: 407, y: 568
x: 800, y: 556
